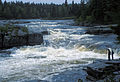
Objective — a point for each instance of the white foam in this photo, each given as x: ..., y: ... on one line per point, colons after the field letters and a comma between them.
x: 58, y: 52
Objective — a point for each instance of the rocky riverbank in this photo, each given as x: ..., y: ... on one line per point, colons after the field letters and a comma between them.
x: 101, y: 29
x: 13, y: 36
x: 99, y: 71
x: 103, y: 70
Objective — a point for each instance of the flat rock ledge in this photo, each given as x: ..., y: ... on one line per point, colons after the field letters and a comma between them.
x: 103, y: 71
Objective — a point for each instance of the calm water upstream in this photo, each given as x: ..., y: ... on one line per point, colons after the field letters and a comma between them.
x: 65, y: 48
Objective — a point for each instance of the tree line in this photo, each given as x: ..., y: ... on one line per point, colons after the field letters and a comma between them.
x: 99, y: 11
x: 20, y: 10
x: 92, y: 11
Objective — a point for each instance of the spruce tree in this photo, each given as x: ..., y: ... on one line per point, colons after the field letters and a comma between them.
x: 0, y: 8
x: 66, y: 3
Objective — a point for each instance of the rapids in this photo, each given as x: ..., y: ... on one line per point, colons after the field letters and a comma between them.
x: 65, y: 48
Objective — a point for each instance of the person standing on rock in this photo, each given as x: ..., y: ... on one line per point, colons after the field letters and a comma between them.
x: 110, y: 52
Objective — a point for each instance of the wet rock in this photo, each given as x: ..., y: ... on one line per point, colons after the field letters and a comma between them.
x: 116, y: 73
x: 101, y: 69
x: 117, y: 78
x: 28, y: 39
x: 91, y: 78
x: 5, y: 54
x: 102, y: 29
x: 36, y: 81
x: 95, y: 74
x: 18, y: 36
x: 99, y: 30
x: 45, y: 33
x: 36, y: 57
x: 34, y: 39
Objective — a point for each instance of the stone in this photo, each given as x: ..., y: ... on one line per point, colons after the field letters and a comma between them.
x: 45, y: 33
x: 21, y: 33
x: 90, y: 78
x: 19, y: 36
x: 100, y: 69
x: 28, y: 39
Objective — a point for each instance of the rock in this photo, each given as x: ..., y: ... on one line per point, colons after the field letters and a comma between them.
x: 116, y: 73
x: 102, y: 68
x: 91, y: 78
x: 99, y: 30
x: 94, y: 73
x: 45, y: 33
x: 21, y: 33
x: 117, y: 78
x: 18, y: 36
x: 36, y: 81
x: 35, y: 39
x: 113, y: 62
x: 28, y: 39
x: 5, y: 54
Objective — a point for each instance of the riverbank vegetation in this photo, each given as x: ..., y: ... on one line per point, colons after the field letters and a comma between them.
x: 87, y: 11
x: 99, y: 11
x: 20, y: 10
x: 8, y: 29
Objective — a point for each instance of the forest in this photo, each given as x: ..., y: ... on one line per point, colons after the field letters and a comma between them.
x: 20, y: 10
x: 92, y: 11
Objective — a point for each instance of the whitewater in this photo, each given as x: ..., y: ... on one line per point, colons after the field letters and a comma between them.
x: 61, y: 57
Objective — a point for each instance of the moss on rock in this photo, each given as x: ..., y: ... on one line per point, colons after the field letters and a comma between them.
x: 12, y: 36
x: 9, y: 29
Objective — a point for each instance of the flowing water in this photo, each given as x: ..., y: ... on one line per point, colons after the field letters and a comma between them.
x: 56, y: 60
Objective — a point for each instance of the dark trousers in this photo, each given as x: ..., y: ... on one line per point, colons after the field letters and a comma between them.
x: 109, y: 56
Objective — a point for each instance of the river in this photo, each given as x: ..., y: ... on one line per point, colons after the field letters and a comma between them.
x: 60, y: 58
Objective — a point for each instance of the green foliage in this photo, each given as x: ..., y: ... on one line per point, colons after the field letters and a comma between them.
x: 99, y: 11
x: 0, y: 8
x: 89, y: 18
x: 8, y: 29
x: 20, y: 10
x: 116, y: 31
x: 79, y: 80
x: 80, y: 19
x: 116, y: 17
x: 93, y: 11
x: 24, y: 29
x: 4, y: 28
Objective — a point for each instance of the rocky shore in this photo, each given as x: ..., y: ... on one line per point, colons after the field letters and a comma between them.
x: 103, y: 70
x: 13, y: 36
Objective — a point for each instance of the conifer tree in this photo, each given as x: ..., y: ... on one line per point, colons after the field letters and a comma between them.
x: 66, y: 3
x: 0, y: 8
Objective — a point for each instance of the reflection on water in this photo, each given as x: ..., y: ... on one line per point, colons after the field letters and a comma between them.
x: 66, y: 46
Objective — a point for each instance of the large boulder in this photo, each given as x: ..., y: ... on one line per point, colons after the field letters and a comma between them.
x: 18, y: 36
